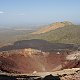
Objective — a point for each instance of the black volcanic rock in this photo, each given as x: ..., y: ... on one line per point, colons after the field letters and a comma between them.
x: 51, y: 77
x: 40, y: 45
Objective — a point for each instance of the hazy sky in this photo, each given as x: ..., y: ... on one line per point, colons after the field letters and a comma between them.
x: 21, y: 12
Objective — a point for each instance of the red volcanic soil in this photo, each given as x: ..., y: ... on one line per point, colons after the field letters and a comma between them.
x: 31, y: 60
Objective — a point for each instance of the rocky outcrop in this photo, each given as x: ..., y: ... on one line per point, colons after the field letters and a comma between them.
x: 66, y: 74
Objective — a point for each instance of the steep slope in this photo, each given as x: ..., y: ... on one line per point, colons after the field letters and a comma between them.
x: 52, y: 27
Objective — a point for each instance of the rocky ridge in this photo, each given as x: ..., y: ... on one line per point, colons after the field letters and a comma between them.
x: 52, y: 27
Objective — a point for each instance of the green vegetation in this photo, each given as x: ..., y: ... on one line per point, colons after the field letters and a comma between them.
x: 68, y: 34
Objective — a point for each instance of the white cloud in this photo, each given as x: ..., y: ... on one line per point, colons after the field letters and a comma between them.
x: 1, y: 12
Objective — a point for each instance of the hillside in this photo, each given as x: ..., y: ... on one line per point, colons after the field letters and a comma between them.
x: 52, y: 26
x: 70, y: 34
